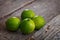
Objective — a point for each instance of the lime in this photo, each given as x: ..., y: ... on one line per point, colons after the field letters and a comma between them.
x: 39, y: 22
x: 27, y: 13
x: 27, y: 26
x: 13, y: 23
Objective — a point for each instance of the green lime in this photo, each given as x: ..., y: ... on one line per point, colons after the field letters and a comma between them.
x: 27, y: 26
x: 13, y: 23
x: 27, y: 13
x: 39, y: 22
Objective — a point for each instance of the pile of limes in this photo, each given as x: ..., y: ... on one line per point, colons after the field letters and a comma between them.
x: 28, y: 23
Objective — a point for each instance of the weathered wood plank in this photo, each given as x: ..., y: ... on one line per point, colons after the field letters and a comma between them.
x: 55, y: 26
x: 47, y: 8
x: 8, y: 6
x: 49, y: 31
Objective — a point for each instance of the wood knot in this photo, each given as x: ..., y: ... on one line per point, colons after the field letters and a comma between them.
x: 48, y: 27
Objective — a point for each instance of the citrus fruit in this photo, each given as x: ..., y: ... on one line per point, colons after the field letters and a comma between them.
x: 27, y: 13
x: 12, y: 23
x: 39, y: 22
x: 27, y: 26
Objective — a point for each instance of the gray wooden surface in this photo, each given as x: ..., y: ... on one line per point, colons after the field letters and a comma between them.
x: 51, y: 31
x: 8, y: 6
x: 54, y: 29
x: 47, y: 8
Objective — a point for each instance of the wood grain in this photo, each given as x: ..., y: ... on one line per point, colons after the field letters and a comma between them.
x: 50, y: 33
x: 11, y: 6
x: 46, y: 8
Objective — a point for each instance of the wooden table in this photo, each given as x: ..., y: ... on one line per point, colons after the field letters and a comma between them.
x: 49, y: 9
